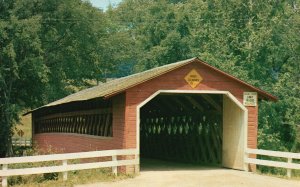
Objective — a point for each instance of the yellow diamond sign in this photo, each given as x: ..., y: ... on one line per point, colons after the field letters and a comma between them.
x: 193, y: 78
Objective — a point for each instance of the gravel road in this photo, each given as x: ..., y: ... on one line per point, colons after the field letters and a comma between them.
x: 164, y: 175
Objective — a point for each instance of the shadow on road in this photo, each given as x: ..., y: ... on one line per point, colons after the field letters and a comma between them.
x: 161, y: 165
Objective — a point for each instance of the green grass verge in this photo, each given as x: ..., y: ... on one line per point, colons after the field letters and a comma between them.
x: 55, y: 179
x: 74, y: 178
x: 295, y: 174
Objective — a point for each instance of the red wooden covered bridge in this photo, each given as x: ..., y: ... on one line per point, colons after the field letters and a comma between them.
x: 187, y: 111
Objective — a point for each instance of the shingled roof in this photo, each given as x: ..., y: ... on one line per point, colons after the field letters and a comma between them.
x: 119, y: 85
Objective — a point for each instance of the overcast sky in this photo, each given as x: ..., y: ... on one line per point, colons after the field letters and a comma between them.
x: 104, y: 3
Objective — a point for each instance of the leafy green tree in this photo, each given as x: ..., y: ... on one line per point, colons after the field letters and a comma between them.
x: 22, y: 72
x: 49, y: 49
x: 255, y: 41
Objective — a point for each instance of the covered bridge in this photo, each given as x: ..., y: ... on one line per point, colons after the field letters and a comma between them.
x: 187, y: 111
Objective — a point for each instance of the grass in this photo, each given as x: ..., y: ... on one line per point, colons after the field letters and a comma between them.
x: 55, y: 179
x: 25, y: 126
x: 295, y: 175
x: 74, y: 178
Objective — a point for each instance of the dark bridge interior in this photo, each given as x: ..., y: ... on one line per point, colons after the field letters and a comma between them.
x: 183, y: 127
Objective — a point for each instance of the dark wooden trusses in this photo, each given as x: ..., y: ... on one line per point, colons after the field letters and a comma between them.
x: 183, y: 127
x: 170, y: 104
x: 193, y: 139
x: 88, y: 117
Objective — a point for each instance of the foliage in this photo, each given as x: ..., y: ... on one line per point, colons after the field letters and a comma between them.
x: 74, y: 178
x: 20, y: 65
x: 49, y: 49
x: 257, y: 42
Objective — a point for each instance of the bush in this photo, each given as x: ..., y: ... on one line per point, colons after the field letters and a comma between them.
x: 50, y: 176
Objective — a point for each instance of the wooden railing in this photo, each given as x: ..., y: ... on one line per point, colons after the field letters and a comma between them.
x: 65, y: 167
x: 21, y: 142
x: 289, y: 165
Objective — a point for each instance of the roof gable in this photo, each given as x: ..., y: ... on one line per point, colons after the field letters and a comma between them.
x: 116, y: 86
x: 263, y: 94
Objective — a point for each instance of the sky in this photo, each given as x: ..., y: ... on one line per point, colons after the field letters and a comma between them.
x: 104, y: 3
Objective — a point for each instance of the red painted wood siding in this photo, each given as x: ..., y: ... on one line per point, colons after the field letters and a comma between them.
x: 124, y: 111
x: 60, y: 142
x: 174, y: 80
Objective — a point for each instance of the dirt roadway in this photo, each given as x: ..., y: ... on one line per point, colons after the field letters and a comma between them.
x: 199, y: 178
x: 164, y: 174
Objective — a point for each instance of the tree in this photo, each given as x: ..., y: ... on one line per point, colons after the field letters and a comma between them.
x: 22, y: 72
x: 48, y: 49
x: 257, y: 42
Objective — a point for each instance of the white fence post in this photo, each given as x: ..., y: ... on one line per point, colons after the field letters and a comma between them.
x: 114, y: 168
x: 289, y: 165
x: 289, y: 171
x: 65, y: 174
x: 4, y: 179
x: 65, y: 166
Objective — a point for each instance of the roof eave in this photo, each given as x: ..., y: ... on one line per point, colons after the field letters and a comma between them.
x: 264, y: 94
x: 131, y: 86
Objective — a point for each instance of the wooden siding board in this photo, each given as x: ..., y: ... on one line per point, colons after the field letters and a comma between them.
x: 124, y: 109
x: 175, y: 81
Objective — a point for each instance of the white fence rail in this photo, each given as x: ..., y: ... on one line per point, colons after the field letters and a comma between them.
x: 65, y: 167
x: 21, y: 142
x: 289, y: 165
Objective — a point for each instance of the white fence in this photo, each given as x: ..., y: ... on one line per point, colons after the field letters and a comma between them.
x: 21, y: 142
x: 289, y: 165
x: 65, y: 167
